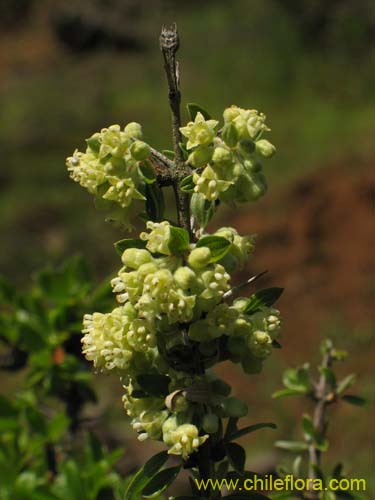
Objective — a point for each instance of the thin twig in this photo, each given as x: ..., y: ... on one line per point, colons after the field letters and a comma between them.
x: 169, y: 44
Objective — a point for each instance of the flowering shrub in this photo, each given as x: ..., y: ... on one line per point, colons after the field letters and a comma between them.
x: 178, y: 312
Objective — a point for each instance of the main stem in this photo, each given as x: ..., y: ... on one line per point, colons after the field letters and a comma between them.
x: 319, y: 421
x: 169, y: 44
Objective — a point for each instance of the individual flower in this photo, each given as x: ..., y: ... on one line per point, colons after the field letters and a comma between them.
x: 199, y: 132
x: 209, y: 184
x: 158, y: 237
x: 184, y: 439
x: 123, y: 191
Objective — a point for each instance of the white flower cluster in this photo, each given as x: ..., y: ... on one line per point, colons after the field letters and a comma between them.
x: 227, y: 160
x: 170, y: 299
x: 110, y: 166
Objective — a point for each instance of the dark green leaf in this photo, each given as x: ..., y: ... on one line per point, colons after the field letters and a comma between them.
x: 93, y: 144
x: 345, y: 383
x: 354, y: 400
x: 292, y: 445
x: 236, y: 456
x: 193, y: 109
x: 251, y: 428
x: 329, y: 376
x: 308, y: 426
x: 144, y: 476
x: 218, y: 246
x: 148, y: 172
x: 231, y: 427
x: 155, y: 204
x: 154, y: 384
x: 168, y: 153
x: 282, y: 393
x: 179, y: 240
x: 201, y: 209
x: 263, y: 298
x: 161, y: 481
x: 185, y: 152
x: 187, y: 185
x: 122, y: 245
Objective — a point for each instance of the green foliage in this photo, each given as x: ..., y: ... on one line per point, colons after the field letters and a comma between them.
x: 40, y: 335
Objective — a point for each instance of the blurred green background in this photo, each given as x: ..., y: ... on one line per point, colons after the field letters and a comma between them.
x: 69, y: 68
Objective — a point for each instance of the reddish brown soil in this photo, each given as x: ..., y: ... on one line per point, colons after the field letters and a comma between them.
x: 316, y: 238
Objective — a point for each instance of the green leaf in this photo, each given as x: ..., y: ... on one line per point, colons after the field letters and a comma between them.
x: 155, y: 204
x: 201, y: 209
x: 154, y: 384
x: 179, y: 240
x: 168, y: 153
x: 93, y: 144
x: 292, y: 445
x: 218, y: 246
x: 187, y: 185
x: 354, y: 400
x: 282, y: 393
x: 122, y: 245
x: 263, y: 298
x: 161, y: 481
x: 185, y: 152
x: 345, y: 383
x: 193, y: 109
x: 236, y: 456
x: 329, y: 376
x: 252, y: 428
x: 231, y: 427
x: 148, y: 172
x: 297, y: 379
x: 144, y: 476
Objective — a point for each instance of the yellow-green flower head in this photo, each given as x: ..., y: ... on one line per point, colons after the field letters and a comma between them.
x: 186, y: 278
x: 127, y: 286
x: 260, y: 344
x: 199, y: 257
x: 123, y: 191
x: 267, y: 319
x: 200, y: 132
x: 140, y: 336
x: 248, y: 122
x: 85, y: 169
x: 179, y: 307
x: 216, y: 282
x: 209, y: 184
x: 183, y: 439
x: 242, y: 246
x: 158, y: 237
x: 105, y: 342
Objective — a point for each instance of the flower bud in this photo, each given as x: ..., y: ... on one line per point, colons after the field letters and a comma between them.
x: 199, y: 257
x: 234, y: 407
x: 135, y: 257
x: 231, y: 113
x: 200, y: 156
x: 210, y: 423
x: 140, y: 150
x: 229, y: 134
x: 222, y: 156
x: 260, y: 344
x: 265, y: 148
x: 133, y: 129
x: 247, y: 147
x: 185, y: 278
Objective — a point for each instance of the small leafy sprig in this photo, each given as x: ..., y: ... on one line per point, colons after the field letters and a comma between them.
x: 323, y: 392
